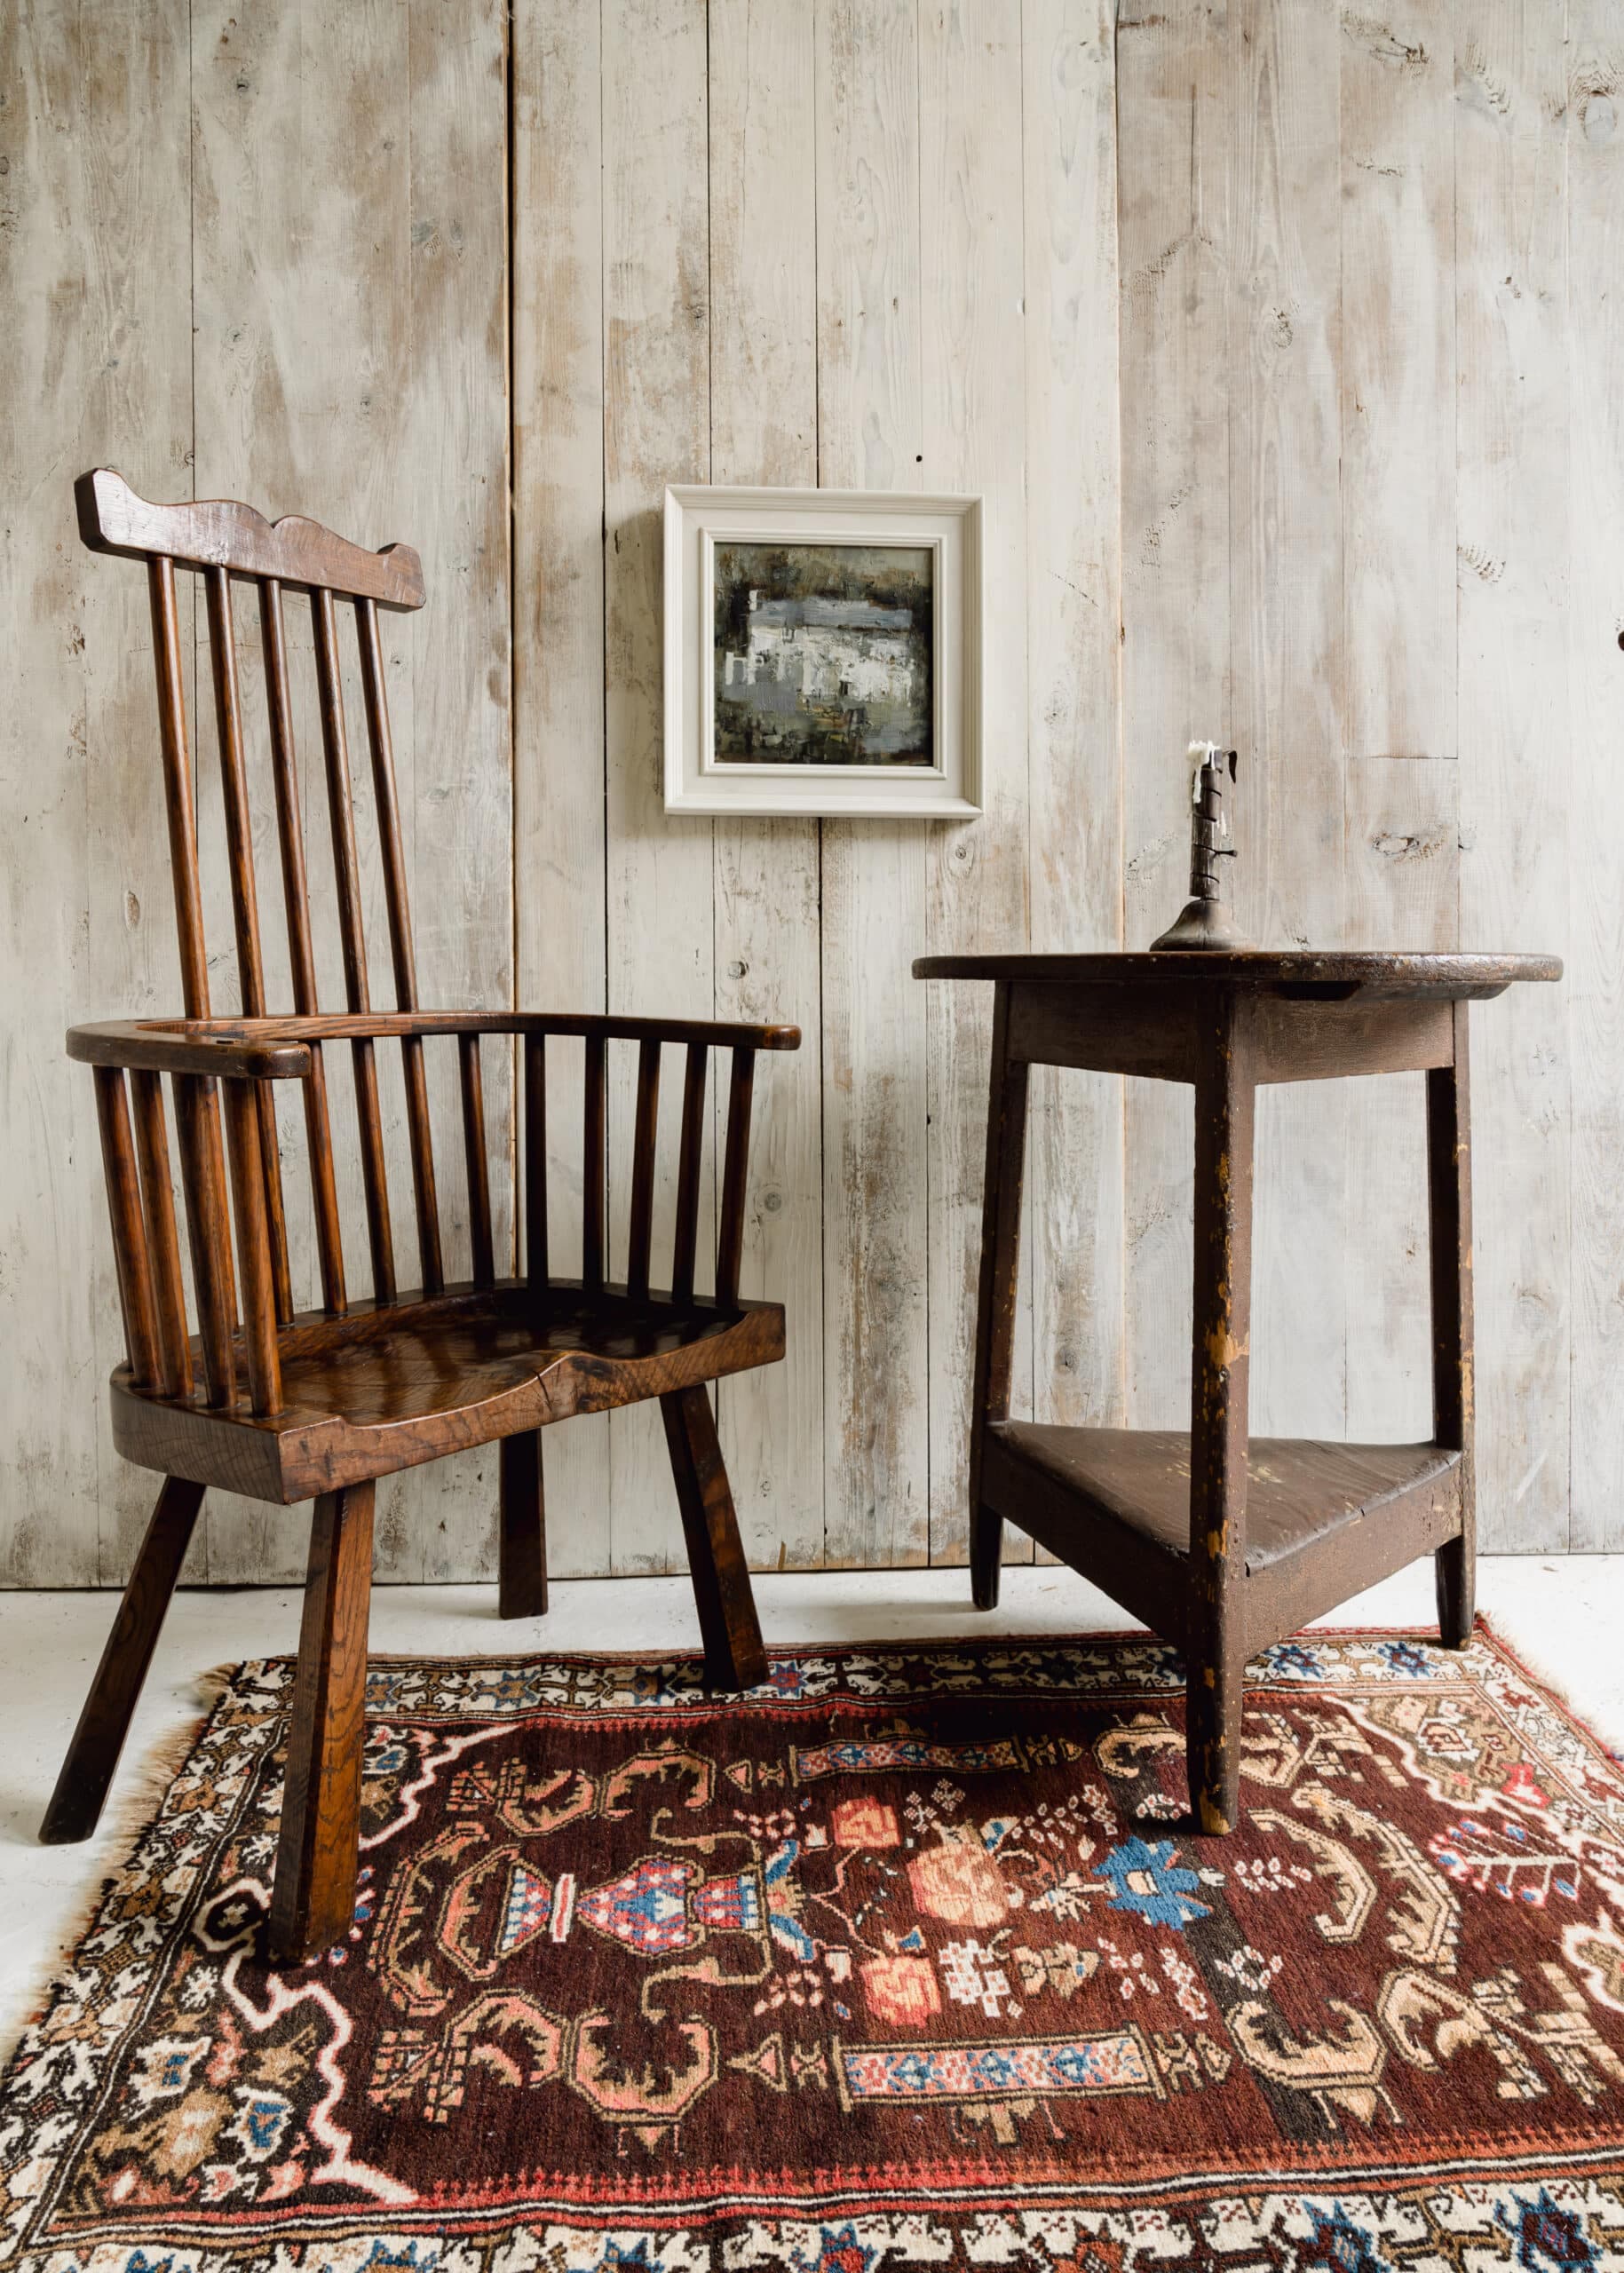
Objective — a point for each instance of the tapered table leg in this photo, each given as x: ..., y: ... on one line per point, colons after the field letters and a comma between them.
x: 1215, y: 1651
x: 1449, y: 1194
x: 1006, y: 1153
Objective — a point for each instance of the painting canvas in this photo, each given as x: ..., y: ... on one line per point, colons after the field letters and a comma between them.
x: 822, y: 655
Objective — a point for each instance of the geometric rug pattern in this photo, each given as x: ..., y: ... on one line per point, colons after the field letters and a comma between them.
x: 910, y: 1958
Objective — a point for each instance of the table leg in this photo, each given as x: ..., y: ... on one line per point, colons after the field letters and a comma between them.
x: 1449, y: 1195
x: 1214, y: 1643
x: 1006, y: 1155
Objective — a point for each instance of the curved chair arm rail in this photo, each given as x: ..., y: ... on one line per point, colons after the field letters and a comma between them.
x: 208, y: 1048
x: 272, y: 1048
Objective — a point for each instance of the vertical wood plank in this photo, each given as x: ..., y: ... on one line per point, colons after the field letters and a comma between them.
x: 971, y: 253
x: 347, y: 160
x: 1402, y: 793
x: 1284, y: 332
x: 95, y: 365
x: 764, y: 428
x: 1176, y: 547
x: 1512, y: 432
x: 656, y: 429
x: 1402, y: 835
x: 1074, y: 652
x: 1398, y: 379
x: 876, y: 1500
x: 1595, y: 986
x: 557, y: 441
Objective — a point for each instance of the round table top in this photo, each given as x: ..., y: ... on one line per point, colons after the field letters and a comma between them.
x: 1330, y: 973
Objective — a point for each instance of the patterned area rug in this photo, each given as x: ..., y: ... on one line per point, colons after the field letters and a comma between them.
x: 907, y: 1960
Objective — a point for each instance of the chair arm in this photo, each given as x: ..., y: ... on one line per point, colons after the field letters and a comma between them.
x: 267, y: 1035
x: 210, y: 1048
x: 713, y: 1033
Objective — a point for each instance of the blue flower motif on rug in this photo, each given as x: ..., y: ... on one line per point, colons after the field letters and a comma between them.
x: 1146, y: 1880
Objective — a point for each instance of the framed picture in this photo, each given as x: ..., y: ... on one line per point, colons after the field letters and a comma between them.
x: 822, y: 652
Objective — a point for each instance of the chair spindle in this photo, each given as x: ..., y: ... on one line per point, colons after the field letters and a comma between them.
x: 592, y: 1166
x: 248, y: 1183
x: 645, y: 1130
x: 301, y: 951
x: 479, y: 1170
x: 401, y: 954
x: 202, y: 1169
x: 174, y: 1378
x: 245, y: 901
x: 535, y: 1159
x: 177, y: 788
x: 735, y: 1167
x: 135, y: 1290
x: 685, y: 1241
x: 352, y: 939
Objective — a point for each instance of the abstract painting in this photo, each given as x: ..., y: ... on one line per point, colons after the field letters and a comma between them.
x: 822, y: 655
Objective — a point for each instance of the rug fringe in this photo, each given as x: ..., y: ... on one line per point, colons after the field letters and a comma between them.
x: 125, y: 1820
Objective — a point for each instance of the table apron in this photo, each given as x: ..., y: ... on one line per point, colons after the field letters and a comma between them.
x: 1153, y: 1032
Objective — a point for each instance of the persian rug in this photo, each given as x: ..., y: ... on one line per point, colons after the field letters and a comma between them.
x: 909, y: 1959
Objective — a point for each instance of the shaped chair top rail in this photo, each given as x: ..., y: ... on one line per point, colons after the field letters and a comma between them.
x: 217, y: 533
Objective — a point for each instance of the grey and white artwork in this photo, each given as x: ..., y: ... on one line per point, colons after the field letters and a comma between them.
x: 822, y: 655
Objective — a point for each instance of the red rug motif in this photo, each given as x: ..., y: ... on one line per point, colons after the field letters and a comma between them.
x: 907, y: 1959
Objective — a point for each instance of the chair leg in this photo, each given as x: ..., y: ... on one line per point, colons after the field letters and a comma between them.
x: 82, y: 1787
x: 522, y: 1583
x: 734, y: 1658
x: 313, y: 1902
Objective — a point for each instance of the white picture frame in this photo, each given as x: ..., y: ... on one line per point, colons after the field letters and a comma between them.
x: 949, y: 787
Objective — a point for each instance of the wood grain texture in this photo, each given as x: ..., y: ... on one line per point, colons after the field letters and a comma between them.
x: 1399, y: 372
x: 1176, y: 594
x: 1595, y: 815
x: 1163, y: 1520
x: 1403, y: 871
x: 972, y: 246
x: 870, y: 397
x: 1073, y: 650
x: 661, y: 951
x: 312, y: 1898
x: 764, y: 429
x: 1513, y: 438
x: 1347, y: 492
x: 98, y: 1738
x: 559, y: 572
x: 95, y: 363
x: 1283, y: 206
x: 387, y: 422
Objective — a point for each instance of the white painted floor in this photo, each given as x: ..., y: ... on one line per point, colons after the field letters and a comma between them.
x: 1562, y: 1617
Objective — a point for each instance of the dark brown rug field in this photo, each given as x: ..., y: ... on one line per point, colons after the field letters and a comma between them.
x: 908, y: 1959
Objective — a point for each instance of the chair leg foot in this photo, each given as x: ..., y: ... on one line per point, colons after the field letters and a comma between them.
x: 522, y: 1585
x: 1212, y: 1686
x: 1454, y: 1570
x: 734, y: 1658
x: 985, y: 1555
x: 313, y: 1902
x: 92, y: 1755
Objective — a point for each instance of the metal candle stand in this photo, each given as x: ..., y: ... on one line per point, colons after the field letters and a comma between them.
x: 1205, y: 921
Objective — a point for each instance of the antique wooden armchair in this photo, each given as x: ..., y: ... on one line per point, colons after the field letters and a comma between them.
x: 290, y: 1405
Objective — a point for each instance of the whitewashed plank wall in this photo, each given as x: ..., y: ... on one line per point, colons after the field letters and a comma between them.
x: 1278, y: 339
